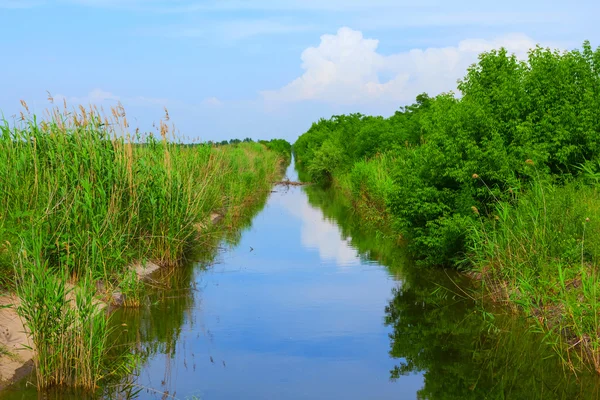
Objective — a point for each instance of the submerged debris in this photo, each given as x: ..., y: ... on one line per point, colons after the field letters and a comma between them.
x: 291, y: 183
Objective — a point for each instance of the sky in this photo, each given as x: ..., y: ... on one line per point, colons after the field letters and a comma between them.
x: 262, y: 68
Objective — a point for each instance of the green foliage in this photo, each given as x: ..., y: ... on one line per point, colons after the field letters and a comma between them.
x: 456, y: 157
x: 542, y: 252
x: 279, y: 146
x: 438, y: 331
x: 502, y: 179
x: 67, y: 326
x: 82, y: 201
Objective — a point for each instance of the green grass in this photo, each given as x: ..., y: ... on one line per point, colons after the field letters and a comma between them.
x: 82, y: 200
x: 540, y: 253
x: 67, y: 327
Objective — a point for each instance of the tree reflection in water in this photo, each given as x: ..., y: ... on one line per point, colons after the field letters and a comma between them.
x: 462, y: 349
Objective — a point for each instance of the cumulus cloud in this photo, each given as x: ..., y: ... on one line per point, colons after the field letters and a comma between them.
x: 346, y: 68
x: 318, y: 233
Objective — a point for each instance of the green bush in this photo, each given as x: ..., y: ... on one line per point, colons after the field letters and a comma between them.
x: 456, y: 157
x: 503, y: 179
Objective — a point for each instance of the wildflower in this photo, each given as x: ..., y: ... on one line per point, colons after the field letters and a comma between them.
x: 475, y: 210
x: 529, y: 161
x: 475, y: 176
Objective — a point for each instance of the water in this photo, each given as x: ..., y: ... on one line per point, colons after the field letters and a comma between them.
x: 307, y: 303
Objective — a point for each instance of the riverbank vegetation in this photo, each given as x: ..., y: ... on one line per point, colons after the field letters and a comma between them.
x: 84, y: 201
x: 501, y: 180
x: 439, y: 330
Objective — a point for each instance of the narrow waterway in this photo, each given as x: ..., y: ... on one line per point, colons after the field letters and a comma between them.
x: 307, y: 303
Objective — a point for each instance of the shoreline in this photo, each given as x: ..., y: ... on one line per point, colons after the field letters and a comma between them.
x: 19, y: 364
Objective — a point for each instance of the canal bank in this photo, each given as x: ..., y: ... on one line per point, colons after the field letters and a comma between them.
x: 305, y: 302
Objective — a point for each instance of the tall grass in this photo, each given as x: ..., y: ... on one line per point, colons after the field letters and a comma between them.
x: 68, y: 327
x: 83, y: 200
x: 100, y: 198
x: 540, y: 253
x: 371, y: 184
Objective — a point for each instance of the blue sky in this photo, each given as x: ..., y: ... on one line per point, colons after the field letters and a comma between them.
x: 261, y: 68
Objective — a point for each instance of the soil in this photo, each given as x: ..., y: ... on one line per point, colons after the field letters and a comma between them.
x: 14, y: 338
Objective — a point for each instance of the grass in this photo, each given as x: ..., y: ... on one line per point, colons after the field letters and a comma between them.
x: 540, y: 254
x: 371, y: 184
x: 69, y: 330
x: 82, y: 200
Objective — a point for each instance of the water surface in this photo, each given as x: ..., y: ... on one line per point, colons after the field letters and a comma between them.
x: 308, y: 303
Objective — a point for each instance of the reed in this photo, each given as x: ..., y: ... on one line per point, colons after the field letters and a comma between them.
x: 83, y: 199
x: 540, y: 254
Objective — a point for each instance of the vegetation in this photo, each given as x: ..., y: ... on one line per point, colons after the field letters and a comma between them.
x: 83, y: 201
x: 280, y: 146
x: 502, y: 180
x: 439, y: 330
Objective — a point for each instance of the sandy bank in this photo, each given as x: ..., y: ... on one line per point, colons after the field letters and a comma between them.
x: 14, y: 338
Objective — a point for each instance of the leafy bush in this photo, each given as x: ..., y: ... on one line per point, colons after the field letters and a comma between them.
x: 503, y: 179
x: 456, y: 157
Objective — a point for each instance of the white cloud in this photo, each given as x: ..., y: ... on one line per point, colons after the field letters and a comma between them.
x: 99, y: 95
x: 103, y: 97
x: 346, y: 69
x: 96, y: 96
x: 212, y: 101
x: 147, y: 101
x: 318, y: 233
